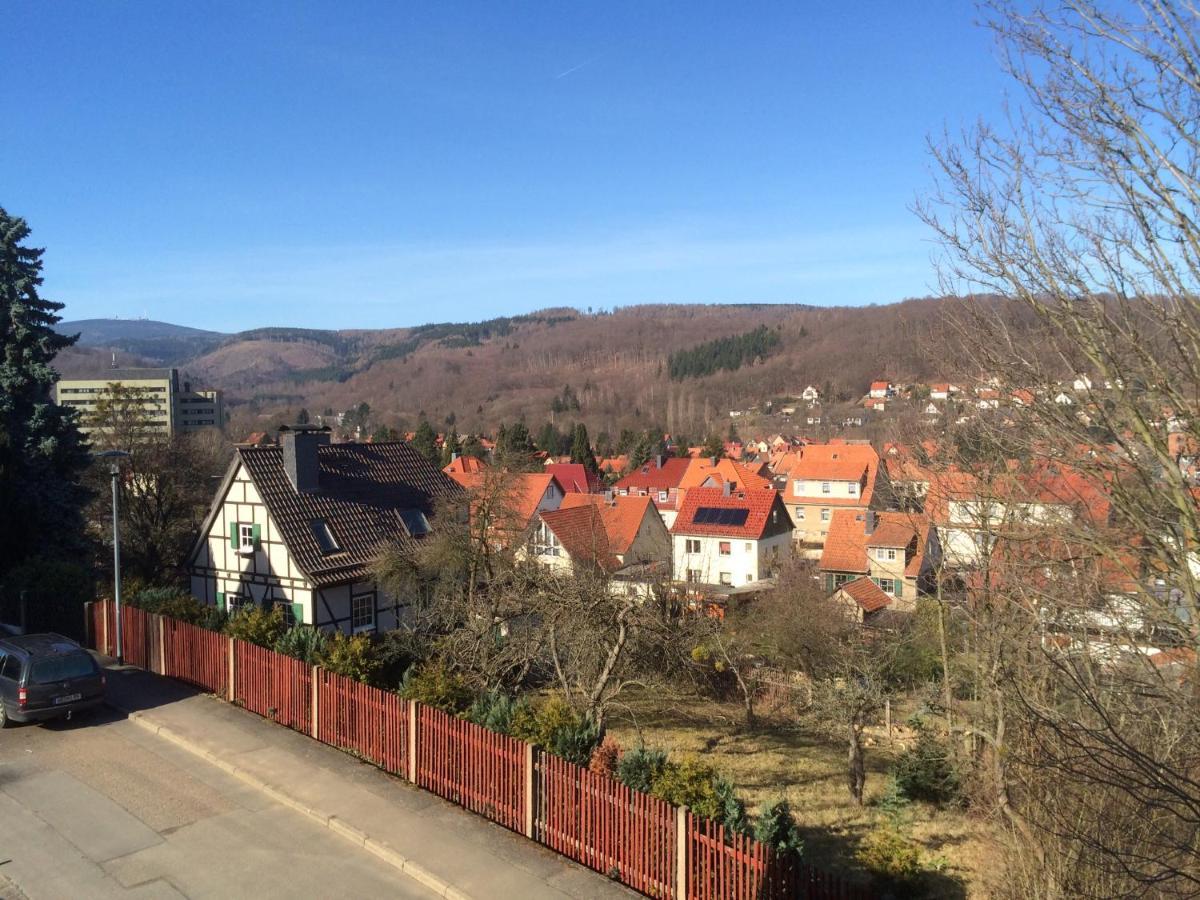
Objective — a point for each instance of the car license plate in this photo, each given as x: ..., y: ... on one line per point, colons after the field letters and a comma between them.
x: 67, y: 698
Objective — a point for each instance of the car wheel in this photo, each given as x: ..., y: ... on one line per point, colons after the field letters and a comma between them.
x: 3, y: 715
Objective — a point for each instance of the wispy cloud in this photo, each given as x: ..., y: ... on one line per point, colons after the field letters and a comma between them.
x: 576, y: 68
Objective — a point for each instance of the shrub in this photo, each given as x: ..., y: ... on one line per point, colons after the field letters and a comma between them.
x: 890, y: 855
x: 733, y: 809
x: 256, y: 625
x: 640, y: 768
x: 352, y: 656
x: 214, y: 619
x: 555, y: 726
x: 171, y: 601
x: 776, y: 827
x: 304, y: 643
x: 605, y: 757
x: 926, y: 771
x: 691, y: 783
x: 493, y: 710
x: 398, y: 652
x: 435, y: 685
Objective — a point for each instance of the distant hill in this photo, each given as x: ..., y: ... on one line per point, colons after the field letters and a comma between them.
x: 610, y: 370
x: 158, y: 342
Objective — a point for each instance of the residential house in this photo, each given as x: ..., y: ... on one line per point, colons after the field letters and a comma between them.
x: 465, y: 465
x: 864, y: 601
x: 828, y: 477
x: 889, y: 548
x: 940, y: 392
x: 299, y: 525
x: 726, y: 537
x: 614, y: 465
x: 658, y: 479
x: 880, y: 390
x: 810, y: 394
x: 624, y: 537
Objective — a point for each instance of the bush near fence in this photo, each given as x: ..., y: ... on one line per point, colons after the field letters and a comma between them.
x: 645, y: 843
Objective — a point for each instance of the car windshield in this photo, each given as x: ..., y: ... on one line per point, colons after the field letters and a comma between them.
x: 59, y: 668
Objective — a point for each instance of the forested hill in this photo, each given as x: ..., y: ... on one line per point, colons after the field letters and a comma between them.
x: 674, y: 365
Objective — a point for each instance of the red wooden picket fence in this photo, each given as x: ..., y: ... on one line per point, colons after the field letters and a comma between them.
x: 196, y: 655
x: 643, y: 842
x: 478, y: 769
x: 273, y: 685
x: 364, y: 720
x: 599, y: 822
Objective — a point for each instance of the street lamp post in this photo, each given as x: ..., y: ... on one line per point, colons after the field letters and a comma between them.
x: 115, y: 469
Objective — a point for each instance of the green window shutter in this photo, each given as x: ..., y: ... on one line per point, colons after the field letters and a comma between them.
x: 221, y: 600
x: 899, y: 586
x: 298, y: 612
x: 257, y: 529
x: 233, y: 535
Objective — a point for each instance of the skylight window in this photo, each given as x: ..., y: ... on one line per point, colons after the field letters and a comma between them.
x: 415, y: 522
x: 324, y: 537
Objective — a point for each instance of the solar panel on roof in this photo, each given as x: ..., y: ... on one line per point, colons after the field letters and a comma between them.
x: 716, y: 515
x: 704, y: 515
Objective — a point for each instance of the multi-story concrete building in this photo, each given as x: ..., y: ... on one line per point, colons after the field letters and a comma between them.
x: 170, y: 406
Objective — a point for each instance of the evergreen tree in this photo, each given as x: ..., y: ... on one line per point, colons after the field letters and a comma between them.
x: 450, y: 446
x: 714, y: 446
x: 42, y: 453
x: 548, y: 439
x: 472, y: 446
x: 302, y: 417
x: 514, y: 448
x: 581, y: 449
x: 425, y: 442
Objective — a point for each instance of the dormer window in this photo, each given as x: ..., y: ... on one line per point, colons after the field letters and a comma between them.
x: 415, y: 522
x: 324, y: 537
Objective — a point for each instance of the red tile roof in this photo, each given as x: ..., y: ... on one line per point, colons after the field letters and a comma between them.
x: 465, y: 465
x: 738, y: 476
x: 574, y: 477
x: 762, y: 507
x: 582, y: 534
x: 834, y: 462
x: 867, y: 594
x: 622, y: 516
x: 879, y: 385
x: 649, y: 476
x: 847, y: 541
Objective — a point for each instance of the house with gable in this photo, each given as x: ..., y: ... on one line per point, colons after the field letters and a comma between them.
x: 827, y: 477
x: 299, y: 525
x: 890, y: 549
x: 727, y: 537
x: 624, y: 537
x: 659, y: 479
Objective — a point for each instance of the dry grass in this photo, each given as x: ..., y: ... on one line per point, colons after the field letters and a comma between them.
x: 782, y: 758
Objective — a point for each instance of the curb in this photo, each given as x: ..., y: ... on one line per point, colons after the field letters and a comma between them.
x: 379, y: 849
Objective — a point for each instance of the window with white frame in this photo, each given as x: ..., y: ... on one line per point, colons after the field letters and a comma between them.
x: 853, y: 489
x: 726, y: 578
x: 888, y: 554
x: 824, y: 515
x: 691, y: 545
x: 545, y: 543
x: 724, y: 548
x: 799, y: 514
x: 798, y: 488
x: 888, y: 586
x: 749, y: 547
x: 245, y: 537
x: 662, y: 496
x: 362, y: 613
x: 825, y: 487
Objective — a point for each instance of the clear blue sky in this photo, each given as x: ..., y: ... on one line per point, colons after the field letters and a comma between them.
x: 236, y: 164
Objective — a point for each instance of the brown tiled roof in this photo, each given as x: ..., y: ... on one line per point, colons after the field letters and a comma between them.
x: 465, y: 465
x: 845, y: 547
x: 649, y: 476
x: 363, y: 491
x: 574, y: 477
x: 622, y: 516
x: 740, y: 477
x: 834, y: 462
x: 581, y: 531
x: 867, y: 594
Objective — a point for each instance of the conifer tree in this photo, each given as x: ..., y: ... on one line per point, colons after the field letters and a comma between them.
x: 42, y: 453
x: 581, y: 449
x: 425, y: 442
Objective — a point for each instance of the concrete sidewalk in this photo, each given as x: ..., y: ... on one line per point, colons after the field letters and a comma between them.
x: 452, y: 852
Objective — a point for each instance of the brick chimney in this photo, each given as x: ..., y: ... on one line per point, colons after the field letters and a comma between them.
x: 300, y: 443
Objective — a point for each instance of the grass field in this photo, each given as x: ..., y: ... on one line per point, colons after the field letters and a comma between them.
x: 782, y: 758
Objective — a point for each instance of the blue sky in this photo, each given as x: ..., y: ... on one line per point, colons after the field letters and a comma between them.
x: 341, y: 165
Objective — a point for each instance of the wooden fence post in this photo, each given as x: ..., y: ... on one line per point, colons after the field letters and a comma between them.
x: 315, y: 694
x: 87, y: 624
x: 530, y: 795
x: 681, y: 845
x: 162, y: 645
x: 104, y: 647
x: 232, y: 672
x: 412, y: 741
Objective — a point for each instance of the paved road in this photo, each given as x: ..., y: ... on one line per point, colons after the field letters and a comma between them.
x: 101, y: 808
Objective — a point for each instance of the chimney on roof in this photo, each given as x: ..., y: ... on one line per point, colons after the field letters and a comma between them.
x: 712, y: 461
x: 300, y: 443
x: 870, y: 521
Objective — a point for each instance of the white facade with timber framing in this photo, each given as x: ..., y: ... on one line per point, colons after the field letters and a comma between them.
x: 299, y: 525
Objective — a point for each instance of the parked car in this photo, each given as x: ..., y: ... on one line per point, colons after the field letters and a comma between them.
x: 45, y: 676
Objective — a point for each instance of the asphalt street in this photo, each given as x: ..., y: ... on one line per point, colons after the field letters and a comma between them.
x: 98, y: 807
